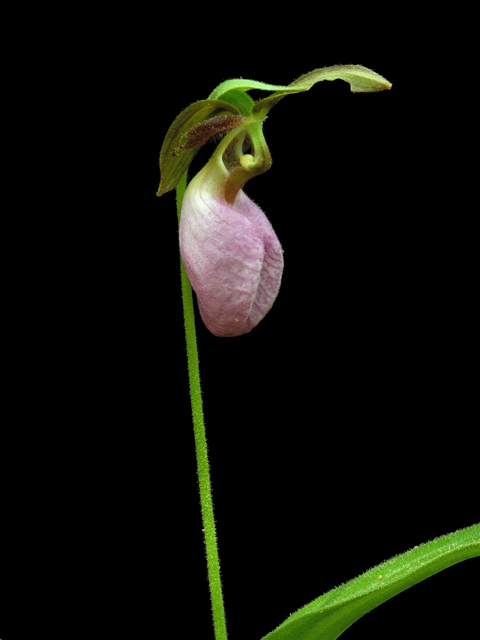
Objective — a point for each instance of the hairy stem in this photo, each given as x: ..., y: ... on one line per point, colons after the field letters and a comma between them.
x: 213, y: 563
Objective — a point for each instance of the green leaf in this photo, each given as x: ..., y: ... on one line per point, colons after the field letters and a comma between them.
x: 360, y: 79
x: 327, y: 617
x: 240, y: 84
x: 174, y: 157
x: 239, y: 99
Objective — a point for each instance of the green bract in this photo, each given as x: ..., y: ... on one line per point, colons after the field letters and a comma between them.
x: 229, y: 106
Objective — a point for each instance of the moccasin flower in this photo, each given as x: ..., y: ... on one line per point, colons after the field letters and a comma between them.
x: 231, y: 253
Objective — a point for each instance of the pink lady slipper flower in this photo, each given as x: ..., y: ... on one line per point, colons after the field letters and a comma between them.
x: 231, y: 254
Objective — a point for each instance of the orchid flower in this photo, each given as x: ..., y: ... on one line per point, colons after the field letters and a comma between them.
x: 231, y: 254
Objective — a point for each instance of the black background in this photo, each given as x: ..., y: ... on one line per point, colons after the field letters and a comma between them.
x: 340, y: 430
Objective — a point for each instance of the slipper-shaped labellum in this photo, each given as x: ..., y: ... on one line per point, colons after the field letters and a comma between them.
x: 231, y: 254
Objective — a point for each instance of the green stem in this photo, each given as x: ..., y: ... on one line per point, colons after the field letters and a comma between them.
x: 213, y: 563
